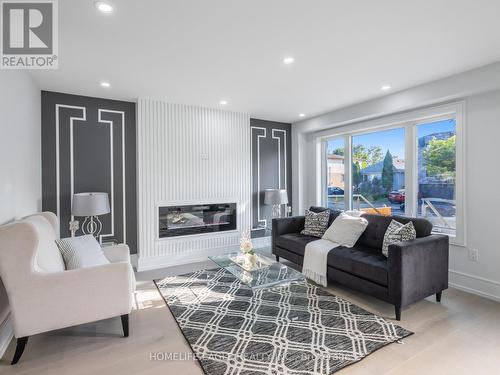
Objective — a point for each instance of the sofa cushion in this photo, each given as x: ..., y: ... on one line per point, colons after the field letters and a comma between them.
x: 367, y: 263
x: 373, y: 236
x: 294, y: 242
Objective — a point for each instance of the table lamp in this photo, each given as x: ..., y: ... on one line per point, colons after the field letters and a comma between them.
x: 91, y: 206
x: 275, y: 198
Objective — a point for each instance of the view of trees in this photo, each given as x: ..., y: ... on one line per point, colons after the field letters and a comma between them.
x: 387, y: 172
x: 361, y: 155
x: 439, y: 157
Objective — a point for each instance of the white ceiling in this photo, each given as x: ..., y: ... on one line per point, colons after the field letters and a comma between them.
x: 201, y: 51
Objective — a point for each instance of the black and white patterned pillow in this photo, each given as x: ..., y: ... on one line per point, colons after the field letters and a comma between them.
x: 316, y: 223
x: 397, y: 232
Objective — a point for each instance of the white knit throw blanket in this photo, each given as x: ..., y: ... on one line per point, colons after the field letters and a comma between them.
x: 315, y: 260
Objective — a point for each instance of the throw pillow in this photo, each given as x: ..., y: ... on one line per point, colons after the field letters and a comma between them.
x: 397, y: 232
x: 346, y: 229
x: 355, y: 213
x: 316, y: 223
x: 81, y: 252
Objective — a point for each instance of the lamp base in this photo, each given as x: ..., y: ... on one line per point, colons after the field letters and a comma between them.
x: 92, y: 225
x: 276, y: 213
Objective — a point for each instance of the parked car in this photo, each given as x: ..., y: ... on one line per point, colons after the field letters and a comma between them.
x: 335, y: 190
x: 397, y: 196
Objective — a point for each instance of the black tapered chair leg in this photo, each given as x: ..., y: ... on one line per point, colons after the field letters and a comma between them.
x: 438, y: 296
x: 125, y: 325
x: 21, y: 344
x: 397, y: 309
x: 277, y: 258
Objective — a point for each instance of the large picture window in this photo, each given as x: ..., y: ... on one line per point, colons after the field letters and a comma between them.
x: 408, y: 164
x: 378, y: 172
x: 335, y: 175
x: 436, y: 193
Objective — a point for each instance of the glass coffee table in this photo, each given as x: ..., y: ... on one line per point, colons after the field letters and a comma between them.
x: 265, y: 273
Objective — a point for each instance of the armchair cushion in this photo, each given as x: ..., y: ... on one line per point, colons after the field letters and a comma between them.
x: 81, y: 252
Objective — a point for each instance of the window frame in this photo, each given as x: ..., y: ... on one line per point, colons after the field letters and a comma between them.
x: 409, y: 121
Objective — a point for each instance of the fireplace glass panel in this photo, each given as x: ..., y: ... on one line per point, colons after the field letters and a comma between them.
x: 196, y: 219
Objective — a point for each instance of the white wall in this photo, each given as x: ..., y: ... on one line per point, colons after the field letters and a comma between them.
x: 20, y: 155
x: 189, y: 155
x: 480, y: 89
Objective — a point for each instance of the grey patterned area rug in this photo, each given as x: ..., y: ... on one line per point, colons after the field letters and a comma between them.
x: 297, y: 328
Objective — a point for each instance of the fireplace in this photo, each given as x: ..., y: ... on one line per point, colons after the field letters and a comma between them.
x: 196, y: 219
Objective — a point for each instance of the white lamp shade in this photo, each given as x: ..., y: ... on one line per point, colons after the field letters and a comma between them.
x: 90, y: 204
x: 275, y: 196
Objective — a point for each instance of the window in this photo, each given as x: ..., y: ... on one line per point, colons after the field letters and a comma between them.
x: 406, y: 164
x: 436, y: 193
x: 378, y: 172
x: 335, y: 149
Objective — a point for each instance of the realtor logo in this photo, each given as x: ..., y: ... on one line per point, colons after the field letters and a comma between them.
x: 29, y: 34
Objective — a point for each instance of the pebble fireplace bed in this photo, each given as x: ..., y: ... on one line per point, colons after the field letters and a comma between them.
x: 196, y: 219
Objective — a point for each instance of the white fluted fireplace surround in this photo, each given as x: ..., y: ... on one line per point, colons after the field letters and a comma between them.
x: 189, y: 155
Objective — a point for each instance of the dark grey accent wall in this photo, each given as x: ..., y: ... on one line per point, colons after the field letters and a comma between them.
x: 271, y: 168
x: 89, y: 144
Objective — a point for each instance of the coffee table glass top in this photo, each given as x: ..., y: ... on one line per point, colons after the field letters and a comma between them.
x: 268, y: 272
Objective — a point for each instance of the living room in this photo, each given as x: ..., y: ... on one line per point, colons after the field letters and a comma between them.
x: 233, y: 187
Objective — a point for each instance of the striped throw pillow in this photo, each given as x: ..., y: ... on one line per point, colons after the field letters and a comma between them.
x: 81, y: 252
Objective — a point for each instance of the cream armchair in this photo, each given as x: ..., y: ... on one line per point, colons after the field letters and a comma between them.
x: 43, y: 296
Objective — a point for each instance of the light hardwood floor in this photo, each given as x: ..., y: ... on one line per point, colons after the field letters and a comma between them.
x: 459, y: 336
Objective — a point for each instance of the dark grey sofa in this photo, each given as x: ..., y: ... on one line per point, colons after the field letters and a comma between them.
x: 413, y: 270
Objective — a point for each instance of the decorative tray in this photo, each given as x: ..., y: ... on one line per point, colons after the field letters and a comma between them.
x: 241, y: 261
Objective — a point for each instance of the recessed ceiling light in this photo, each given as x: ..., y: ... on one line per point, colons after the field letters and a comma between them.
x: 288, y: 60
x: 302, y: 115
x: 223, y: 102
x: 103, y: 6
x: 105, y: 84
x: 385, y: 87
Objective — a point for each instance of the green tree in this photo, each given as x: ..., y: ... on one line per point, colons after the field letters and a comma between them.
x: 366, y: 156
x: 375, y: 154
x: 439, y: 157
x: 338, y: 151
x: 356, y: 174
x: 388, y: 173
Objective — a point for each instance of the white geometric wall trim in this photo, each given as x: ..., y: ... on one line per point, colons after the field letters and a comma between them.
x: 263, y: 134
x: 279, y: 138
x: 189, y: 154
x: 83, y: 117
x: 124, y: 195
x: 281, y: 155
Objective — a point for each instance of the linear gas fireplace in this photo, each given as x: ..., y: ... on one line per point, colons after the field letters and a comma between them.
x: 196, y: 219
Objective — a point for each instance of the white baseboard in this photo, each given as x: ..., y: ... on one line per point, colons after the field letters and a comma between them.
x: 480, y: 286
x: 6, y: 334
x: 151, y: 263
